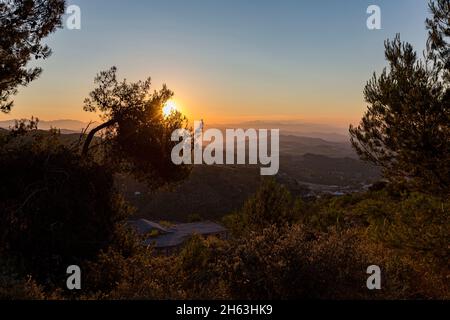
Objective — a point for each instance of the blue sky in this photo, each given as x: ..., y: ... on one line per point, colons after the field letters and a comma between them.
x: 226, y: 59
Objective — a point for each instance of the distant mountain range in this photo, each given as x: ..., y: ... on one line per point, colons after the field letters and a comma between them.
x: 293, y: 128
x: 66, y: 125
x: 314, y: 160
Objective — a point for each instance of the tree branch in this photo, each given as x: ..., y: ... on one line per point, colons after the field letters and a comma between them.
x: 92, y: 133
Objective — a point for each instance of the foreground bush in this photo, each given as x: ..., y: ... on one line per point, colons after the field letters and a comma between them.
x: 55, y: 209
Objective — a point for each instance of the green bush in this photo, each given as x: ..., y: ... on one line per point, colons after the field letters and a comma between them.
x: 272, y: 204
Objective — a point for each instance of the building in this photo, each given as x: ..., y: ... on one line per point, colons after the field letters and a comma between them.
x: 167, y: 240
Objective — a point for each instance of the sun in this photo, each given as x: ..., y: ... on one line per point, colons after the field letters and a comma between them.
x: 169, y: 108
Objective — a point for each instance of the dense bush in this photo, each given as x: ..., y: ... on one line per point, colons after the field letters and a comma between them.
x: 15, y: 287
x: 55, y: 209
x: 272, y: 204
x: 410, y: 221
x: 279, y: 261
x: 313, y: 257
x: 194, y: 273
x: 293, y: 263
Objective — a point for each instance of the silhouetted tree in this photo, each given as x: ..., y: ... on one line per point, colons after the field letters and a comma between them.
x: 439, y: 34
x: 23, y: 25
x: 406, y: 129
x: 137, y: 135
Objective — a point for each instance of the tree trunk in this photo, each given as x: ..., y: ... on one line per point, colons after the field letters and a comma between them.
x: 92, y: 133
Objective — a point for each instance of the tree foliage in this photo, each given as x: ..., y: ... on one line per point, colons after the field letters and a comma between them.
x: 137, y: 136
x: 272, y: 204
x: 406, y: 129
x: 55, y: 208
x: 23, y: 25
x: 439, y: 36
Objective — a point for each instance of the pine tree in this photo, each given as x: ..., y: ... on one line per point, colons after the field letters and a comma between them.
x: 406, y: 128
x: 23, y: 25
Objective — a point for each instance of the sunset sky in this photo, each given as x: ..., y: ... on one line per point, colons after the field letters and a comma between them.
x: 226, y: 60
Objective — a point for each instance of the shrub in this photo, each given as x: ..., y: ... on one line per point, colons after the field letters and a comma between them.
x: 55, y: 209
x: 272, y: 204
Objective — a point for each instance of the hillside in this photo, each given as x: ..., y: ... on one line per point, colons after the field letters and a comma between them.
x: 66, y: 126
x: 308, y: 166
x: 327, y: 132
